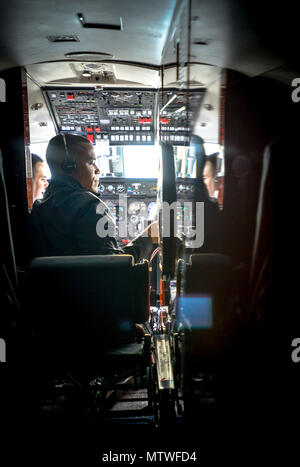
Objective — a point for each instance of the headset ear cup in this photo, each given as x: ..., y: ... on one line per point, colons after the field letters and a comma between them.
x: 68, y: 165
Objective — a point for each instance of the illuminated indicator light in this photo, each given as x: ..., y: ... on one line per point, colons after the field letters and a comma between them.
x: 126, y: 137
x: 144, y: 138
x: 148, y: 138
x: 89, y: 129
x: 70, y: 97
x: 121, y: 137
x: 112, y: 137
x: 137, y: 128
x: 138, y: 138
x: 131, y: 137
x: 97, y: 130
x: 117, y: 138
x: 91, y: 137
x: 126, y: 128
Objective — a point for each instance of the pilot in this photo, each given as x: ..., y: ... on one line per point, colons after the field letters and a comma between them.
x: 39, y: 180
x: 71, y: 219
x: 209, y: 174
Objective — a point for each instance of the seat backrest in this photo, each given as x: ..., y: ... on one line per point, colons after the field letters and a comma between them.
x: 211, y: 274
x: 87, y: 302
x: 273, y: 286
x: 205, y: 305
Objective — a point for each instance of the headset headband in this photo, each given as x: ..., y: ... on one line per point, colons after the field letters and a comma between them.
x: 65, y: 145
x: 69, y: 164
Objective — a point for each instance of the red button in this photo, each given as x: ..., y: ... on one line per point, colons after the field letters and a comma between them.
x: 91, y: 137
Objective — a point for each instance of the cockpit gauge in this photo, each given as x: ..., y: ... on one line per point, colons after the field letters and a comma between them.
x: 110, y: 188
x: 134, y: 219
x: 120, y: 188
x: 137, y: 207
x: 101, y: 188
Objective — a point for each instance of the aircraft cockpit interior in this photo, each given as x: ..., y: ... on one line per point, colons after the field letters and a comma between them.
x: 146, y: 300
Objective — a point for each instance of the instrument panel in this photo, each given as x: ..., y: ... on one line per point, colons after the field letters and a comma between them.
x: 135, y: 200
x: 119, y: 116
x: 125, y: 116
x: 178, y: 109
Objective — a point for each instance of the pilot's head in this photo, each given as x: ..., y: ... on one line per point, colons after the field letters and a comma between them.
x: 74, y: 156
x: 209, y: 174
x: 39, y: 181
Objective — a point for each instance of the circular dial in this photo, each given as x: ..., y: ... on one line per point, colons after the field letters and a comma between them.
x: 134, y: 207
x: 134, y: 219
x: 110, y: 188
x: 138, y: 207
x: 120, y: 188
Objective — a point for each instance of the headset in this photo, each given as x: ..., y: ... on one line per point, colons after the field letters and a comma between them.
x: 68, y: 165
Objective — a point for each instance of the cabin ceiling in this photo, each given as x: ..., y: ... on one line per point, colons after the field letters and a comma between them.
x: 252, y: 37
x: 25, y: 25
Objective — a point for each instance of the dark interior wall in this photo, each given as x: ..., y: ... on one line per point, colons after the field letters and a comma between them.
x: 13, y: 151
x: 257, y: 110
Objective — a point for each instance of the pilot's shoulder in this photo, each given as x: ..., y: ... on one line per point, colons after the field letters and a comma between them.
x: 86, y: 200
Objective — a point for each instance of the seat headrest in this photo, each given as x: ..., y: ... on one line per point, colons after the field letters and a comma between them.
x: 82, y: 260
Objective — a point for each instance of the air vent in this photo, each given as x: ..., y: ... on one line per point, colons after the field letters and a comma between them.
x: 63, y: 38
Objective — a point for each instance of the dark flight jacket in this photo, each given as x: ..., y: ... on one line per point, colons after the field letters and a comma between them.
x: 64, y: 223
